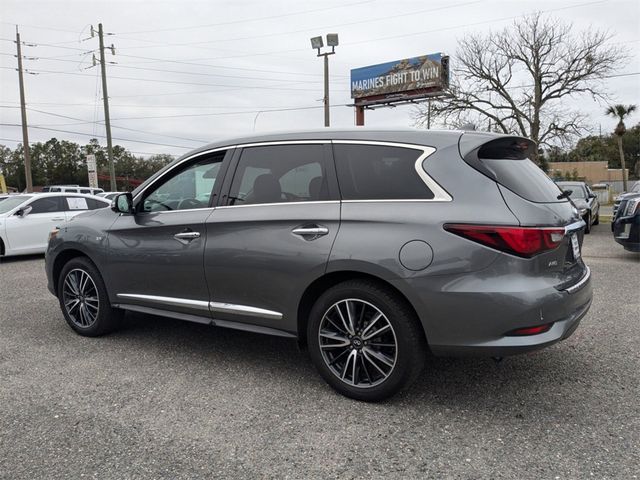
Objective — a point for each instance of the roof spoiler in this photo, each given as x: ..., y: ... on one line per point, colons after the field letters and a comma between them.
x: 474, y: 147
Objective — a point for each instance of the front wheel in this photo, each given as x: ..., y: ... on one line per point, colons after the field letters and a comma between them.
x: 83, y: 299
x: 596, y: 220
x: 587, y: 220
x: 365, y: 341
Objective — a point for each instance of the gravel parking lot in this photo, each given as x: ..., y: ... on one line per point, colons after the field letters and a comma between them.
x: 167, y: 399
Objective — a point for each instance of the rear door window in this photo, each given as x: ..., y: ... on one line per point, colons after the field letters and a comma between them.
x: 280, y: 174
x: 379, y: 172
x: 47, y: 205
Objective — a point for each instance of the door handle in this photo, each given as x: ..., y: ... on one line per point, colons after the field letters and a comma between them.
x: 312, y: 231
x: 188, y: 236
x: 57, y: 219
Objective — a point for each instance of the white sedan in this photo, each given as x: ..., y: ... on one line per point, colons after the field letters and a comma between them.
x: 27, y: 219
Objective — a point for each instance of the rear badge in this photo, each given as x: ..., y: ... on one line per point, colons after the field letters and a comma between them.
x: 553, y: 263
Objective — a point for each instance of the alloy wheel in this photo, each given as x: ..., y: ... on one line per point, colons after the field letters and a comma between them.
x: 80, y: 298
x: 358, y: 343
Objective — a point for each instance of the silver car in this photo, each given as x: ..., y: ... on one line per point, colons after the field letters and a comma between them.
x: 370, y: 248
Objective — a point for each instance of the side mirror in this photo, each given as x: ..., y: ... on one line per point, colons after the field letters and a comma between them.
x: 123, y: 203
x: 23, y: 212
x: 592, y: 195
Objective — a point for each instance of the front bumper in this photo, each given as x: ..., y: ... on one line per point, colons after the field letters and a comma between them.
x: 626, y: 231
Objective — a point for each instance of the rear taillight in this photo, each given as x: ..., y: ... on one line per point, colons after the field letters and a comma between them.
x: 521, y: 241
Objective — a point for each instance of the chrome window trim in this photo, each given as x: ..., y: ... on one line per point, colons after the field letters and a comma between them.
x: 221, y: 307
x: 439, y: 193
x: 153, y: 212
x: 283, y: 142
x: 186, y: 159
x: 213, y: 307
x: 325, y: 202
x: 172, y: 301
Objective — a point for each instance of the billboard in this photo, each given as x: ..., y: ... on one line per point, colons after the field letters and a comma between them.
x: 428, y: 73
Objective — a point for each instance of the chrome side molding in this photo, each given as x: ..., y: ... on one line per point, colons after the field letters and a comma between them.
x: 243, y: 310
x: 213, y: 307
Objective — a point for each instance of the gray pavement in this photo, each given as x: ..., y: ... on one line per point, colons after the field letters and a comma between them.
x: 166, y: 399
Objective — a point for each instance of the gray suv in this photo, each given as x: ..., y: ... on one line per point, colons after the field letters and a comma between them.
x: 371, y: 248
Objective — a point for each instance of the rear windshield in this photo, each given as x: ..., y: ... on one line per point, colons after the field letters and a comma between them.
x: 524, y: 178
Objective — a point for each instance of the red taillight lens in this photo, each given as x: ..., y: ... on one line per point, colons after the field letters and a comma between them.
x: 522, y: 241
x: 530, y: 330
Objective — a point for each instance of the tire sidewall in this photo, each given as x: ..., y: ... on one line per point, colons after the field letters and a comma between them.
x: 399, y: 319
x: 103, y: 321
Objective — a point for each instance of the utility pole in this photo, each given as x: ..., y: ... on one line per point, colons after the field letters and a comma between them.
x: 107, y: 122
x: 23, y: 110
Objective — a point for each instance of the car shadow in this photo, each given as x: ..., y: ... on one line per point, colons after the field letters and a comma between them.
x: 22, y: 258
x: 459, y: 383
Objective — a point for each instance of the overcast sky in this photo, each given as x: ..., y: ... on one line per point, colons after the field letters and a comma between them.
x: 191, y: 72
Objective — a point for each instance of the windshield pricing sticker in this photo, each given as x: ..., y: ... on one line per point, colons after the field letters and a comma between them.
x: 77, y: 203
x: 575, y: 246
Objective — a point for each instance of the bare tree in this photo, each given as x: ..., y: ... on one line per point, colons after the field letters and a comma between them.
x: 514, y: 81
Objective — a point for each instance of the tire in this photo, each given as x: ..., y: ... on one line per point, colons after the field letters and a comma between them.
x: 365, y: 366
x: 587, y: 220
x: 596, y: 221
x: 84, y: 301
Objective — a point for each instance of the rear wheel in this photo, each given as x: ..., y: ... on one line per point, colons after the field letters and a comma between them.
x: 365, y: 340
x: 83, y: 299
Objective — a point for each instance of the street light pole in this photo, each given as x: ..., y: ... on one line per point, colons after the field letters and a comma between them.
x: 317, y: 43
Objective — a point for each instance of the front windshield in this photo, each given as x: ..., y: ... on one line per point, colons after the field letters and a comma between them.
x: 12, y: 202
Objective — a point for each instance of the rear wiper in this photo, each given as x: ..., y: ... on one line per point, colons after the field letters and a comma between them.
x: 564, y: 194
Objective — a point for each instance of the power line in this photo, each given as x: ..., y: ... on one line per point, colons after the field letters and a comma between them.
x: 260, y: 87
x: 83, y: 122
x: 248, y: 20
x: 323, y: 27
x: 93, y: 136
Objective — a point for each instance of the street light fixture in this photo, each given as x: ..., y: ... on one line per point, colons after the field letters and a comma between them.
x: 317, y: 43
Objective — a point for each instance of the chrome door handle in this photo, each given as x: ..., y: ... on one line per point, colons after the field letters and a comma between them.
x: 187, y: 235
x: 57, y: 219
x: 311, y: 230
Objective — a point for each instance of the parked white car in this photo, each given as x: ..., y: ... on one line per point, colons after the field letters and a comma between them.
x: 27, y: 219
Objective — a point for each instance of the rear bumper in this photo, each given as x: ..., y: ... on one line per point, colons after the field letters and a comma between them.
x: 474, y: 315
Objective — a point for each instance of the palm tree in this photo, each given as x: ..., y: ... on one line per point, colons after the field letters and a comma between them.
x: 621, y: 112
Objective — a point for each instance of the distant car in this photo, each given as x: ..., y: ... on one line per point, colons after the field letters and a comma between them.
x: 626, y: 223
x: 585, y: 201
x: 72, y: 189
x: 108, y: 195
x: 27, y: 219
x: 635, y: 188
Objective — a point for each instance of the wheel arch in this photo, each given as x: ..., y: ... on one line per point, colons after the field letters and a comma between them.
x: 328, y: 280
x: 62, y: 259
x: 2, y: 247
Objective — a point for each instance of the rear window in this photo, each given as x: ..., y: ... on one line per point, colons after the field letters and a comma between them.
x: 507, y: 159
x: 524, y: 178
x: 378, y: 172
